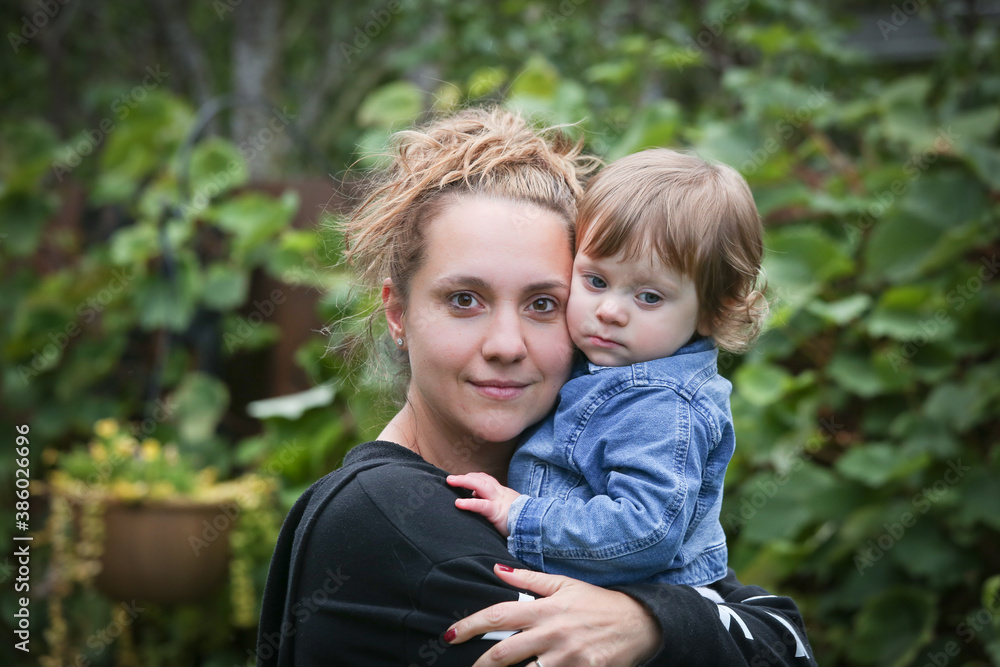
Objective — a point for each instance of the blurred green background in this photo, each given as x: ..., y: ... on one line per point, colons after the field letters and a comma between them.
x: 168, y: 172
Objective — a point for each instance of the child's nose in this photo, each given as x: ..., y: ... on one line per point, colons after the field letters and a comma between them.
x: 611, y: 312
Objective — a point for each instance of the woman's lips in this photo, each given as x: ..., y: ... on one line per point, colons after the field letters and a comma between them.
x: 501, y: 390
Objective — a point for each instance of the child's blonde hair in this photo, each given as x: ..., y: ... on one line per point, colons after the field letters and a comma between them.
x: 698, y: 217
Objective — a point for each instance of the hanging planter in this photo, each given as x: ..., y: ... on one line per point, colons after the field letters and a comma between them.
x: 165, y: 552
x: 135, y: 522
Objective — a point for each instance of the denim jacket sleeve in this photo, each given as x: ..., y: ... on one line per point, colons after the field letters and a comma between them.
x: 643, y: 452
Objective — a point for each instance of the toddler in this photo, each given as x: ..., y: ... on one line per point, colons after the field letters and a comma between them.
x: 623, y: 481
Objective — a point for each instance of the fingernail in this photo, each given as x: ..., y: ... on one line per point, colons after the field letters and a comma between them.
x: 450, y: 635
x: 504, y: 568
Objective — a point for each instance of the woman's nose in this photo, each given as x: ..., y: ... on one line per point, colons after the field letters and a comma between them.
x: 505, y: 337
x: 610, y: 311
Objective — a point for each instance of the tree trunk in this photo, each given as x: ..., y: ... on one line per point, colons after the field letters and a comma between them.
x: 258, y: 126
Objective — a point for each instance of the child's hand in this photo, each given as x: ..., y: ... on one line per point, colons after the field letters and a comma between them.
x: 492, y: 499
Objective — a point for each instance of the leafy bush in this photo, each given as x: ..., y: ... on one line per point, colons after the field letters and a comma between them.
x: 122, y: 319
x: 866, y: 476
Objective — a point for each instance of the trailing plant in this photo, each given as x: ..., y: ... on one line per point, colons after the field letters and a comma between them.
x: 115, y: 469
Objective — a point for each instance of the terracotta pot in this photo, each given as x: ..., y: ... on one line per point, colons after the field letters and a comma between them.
x: 165, y: 553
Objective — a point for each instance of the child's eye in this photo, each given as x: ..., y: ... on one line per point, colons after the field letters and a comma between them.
x: 543, y: 305
x: 596, y: 282
x: 463, y: 300
x: 649, y: 298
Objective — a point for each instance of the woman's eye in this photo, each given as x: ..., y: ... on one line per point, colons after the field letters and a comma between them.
x: 543, y: 305
x: 649, y: 298
x: 596, y: 282
x: 463, y: 300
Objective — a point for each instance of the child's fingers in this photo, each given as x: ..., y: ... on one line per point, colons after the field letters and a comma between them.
x: 474, y: 482
x: 474, y: 505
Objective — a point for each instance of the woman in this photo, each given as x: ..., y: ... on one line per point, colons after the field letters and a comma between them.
x: 470, y: 238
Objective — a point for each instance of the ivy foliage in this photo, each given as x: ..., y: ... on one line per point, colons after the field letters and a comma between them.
x: 866, y: 481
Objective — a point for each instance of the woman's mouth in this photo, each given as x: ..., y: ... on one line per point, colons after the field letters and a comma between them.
x: 500, y: 390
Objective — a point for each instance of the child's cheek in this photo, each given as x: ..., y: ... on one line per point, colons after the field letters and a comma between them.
x: 575, y: 312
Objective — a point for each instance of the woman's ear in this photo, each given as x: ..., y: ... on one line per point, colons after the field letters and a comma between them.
x: 393, y: 308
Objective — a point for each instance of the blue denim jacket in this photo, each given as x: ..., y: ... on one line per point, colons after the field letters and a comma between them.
x: 624, y: 478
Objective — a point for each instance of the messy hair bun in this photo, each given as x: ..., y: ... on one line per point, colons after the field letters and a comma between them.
x: 479, y: 151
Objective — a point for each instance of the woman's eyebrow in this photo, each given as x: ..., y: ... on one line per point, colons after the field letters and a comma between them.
x: 476, y: 282
x: 457, y: 281
x: 547, y: 285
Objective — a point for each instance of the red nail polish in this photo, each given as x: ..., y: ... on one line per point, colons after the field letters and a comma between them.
x: 504, y: 568
x: 450, y: 635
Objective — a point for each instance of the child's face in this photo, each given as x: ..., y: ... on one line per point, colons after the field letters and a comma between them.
x: 622, y: 313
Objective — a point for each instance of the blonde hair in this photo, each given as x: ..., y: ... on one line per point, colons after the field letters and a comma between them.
x: 698, y: 217
x: 479, y: 151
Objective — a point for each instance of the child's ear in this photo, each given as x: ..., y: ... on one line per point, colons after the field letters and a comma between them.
x: 704, y: 327
x: 705, y: 322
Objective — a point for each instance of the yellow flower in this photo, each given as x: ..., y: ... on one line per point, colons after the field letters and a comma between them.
x: 127, y: 490
x: 161, y: 490
x: 124, y: 446
x: 106, y: 428
x: 150, y: 449
x: 208, y: 476
x: 98, y: 452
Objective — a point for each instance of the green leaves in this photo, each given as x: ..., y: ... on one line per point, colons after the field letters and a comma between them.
x: 391, y: 105
x: 799, y: 261
x: 225, y: 287
x: 197, y: 406
x: 762, y: 384
x: 892, y: 626
x: 911, y: 311
x: 216, y: 167
x: 923, y: 211
x: 253, y: 219
x: 877, y: 463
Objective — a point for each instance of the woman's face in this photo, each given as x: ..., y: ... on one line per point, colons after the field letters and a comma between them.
x: 485, y: 321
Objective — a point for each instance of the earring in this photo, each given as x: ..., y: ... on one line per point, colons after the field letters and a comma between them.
x: 399, y: 342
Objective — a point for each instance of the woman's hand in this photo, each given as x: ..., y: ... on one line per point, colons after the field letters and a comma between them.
x: 574, y: 623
